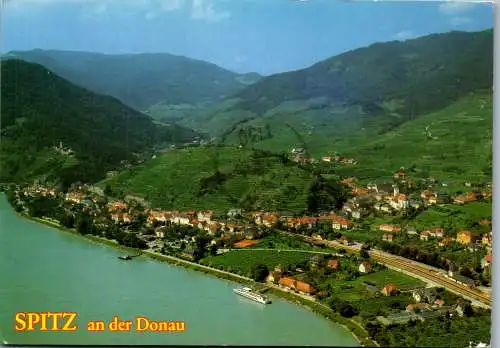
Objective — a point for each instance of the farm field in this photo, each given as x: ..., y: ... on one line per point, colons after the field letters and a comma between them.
x: 455, y: 135
x: 343, y: 284
x: 243, y: 261
x: 386, y: 276
x: 284, y: 242
x: 453, y: 216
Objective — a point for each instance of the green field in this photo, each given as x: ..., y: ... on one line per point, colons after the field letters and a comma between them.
x: 284, y: 242
x: 184, y: 179
x: 243, y: 261
x: 460, y: 146
x: 386, y: 276
x: 355, y: 289
x: 453, y: 217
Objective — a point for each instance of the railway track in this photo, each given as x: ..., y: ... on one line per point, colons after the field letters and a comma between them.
x: 429, y: 273
x: 435, y: 278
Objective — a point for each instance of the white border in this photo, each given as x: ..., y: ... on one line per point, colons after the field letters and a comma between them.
x: 495, y: 314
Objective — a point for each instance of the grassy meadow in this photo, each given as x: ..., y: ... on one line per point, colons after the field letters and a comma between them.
x: 457, y: 145
x: 243, y: 261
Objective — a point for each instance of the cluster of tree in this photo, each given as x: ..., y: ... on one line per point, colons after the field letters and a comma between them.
x: 12, y: 199
x: 210, y: 184
x: 200, y: 248
x: 43, y: 206
x: 84, y: 224
x: 129, y: 239
x: 260, y: 272
x: 250, y: 134
x: 175, y: 232
x: 344, y: 308
x: 326, y: 195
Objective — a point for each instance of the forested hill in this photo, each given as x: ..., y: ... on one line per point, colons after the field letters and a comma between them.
x: 40, y: 110
x: 142, y: 80
x: 405, y: 77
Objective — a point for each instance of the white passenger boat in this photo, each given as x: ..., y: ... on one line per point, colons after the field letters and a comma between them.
x: 252, y: 295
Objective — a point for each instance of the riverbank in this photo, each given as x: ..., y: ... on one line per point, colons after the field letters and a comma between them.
x: 353, y: 327
x: 89, y: 237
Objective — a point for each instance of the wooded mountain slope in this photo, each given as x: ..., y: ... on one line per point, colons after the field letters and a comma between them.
x: 40, y: 110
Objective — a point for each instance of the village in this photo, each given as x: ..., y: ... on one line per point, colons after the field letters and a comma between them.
x: 413, y: 302
x: 366, y: 213
x: 323, y: 278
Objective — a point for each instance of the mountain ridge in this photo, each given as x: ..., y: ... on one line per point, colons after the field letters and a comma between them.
x: 41, y: 110
x: 369, y: 90
x: 436, y: 46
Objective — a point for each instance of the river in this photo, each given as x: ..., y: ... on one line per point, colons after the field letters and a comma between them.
x: 46, y: 270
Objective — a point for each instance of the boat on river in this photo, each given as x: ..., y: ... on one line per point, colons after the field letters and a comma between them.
x: 252, y: 295
x: 129, y: 257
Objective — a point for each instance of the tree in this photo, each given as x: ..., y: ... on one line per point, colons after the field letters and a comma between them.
x: 326, y: 194
x: 364, y: 254
x: 118, y: 234
x: 213, y: 249
x: 347, y: 311
x: 260, y: 272
x: 107, y: 190
x: 466, y: 272
x: 18, y: 208
x: 140, y: 220
x: 131, y: 240
x: 42, y: 206
x: 67, y: 220
x: 198, y: 254
x: 201, y: 241
x: 468, y: 310
x: 108, y: 233
x: 84, y: 224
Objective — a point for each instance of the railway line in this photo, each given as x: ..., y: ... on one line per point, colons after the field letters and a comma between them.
x: 437, y: 278
x: 429, y: 273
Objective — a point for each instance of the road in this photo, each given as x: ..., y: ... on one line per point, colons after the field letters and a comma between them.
x: 420, y: 270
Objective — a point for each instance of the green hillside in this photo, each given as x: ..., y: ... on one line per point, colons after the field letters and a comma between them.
x: 40, y: 110
x: 186, y: 179
x: 174, y: 180
x: 142, y: 80
x: 364, y: 92
x: 457, y: 145
x: 416, y: 76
